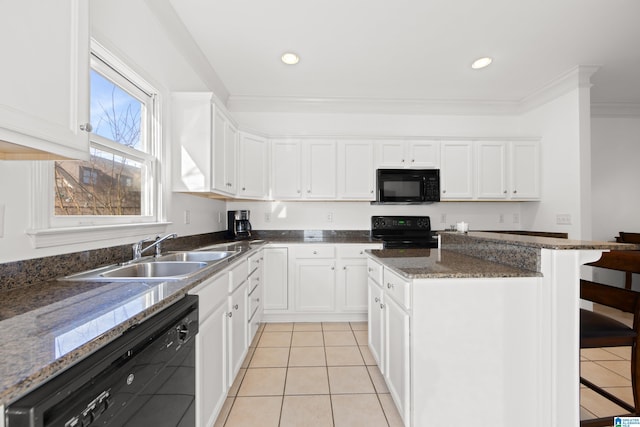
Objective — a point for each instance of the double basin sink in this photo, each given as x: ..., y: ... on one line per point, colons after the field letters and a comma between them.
x: 171, y: 266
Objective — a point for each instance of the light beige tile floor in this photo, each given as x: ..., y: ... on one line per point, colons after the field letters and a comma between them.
x: 309, y: 375
x: 608, y: 367
x: 323, y: 374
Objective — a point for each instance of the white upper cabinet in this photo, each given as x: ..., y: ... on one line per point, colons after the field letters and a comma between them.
x: 319, y: 168
x: 44, y: 106
x: 253, y: 174
x: 356, y: 180
x: 303, y: 169
x: 525, y: 170
x: 456, y: 170
x: 225, y: 136
x: 285, y: 169
x: 491, y: 167
x: 191, y: 136
x: 413, y: 154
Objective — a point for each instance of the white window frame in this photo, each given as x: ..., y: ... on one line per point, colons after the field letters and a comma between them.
x: 49, y: 230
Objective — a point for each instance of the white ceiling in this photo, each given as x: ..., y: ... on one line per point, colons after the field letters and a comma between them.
x: 418, y: 50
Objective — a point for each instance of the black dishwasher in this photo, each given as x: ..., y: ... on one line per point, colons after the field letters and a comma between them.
x: 146, y: 377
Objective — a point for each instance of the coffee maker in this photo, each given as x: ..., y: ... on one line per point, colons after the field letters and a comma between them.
x: 238, y: 225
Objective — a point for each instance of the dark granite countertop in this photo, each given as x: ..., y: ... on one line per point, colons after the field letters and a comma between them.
x: 47, y: 328
x: 316, y: 236
x: 443, y: 264
x: 542, y: 242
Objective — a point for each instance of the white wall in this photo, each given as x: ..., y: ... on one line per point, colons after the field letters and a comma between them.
x: 615, y: 176
x: 130, y: 30
x: 558, y: 122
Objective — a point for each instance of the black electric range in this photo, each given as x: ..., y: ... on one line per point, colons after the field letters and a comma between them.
x: 404, y: 231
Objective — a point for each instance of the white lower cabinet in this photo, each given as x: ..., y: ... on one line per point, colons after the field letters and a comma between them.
x: 223, y: 338
x: 316, y: 282
x: 396, y: 358
x: 275, y: 278
x: 376, y: 322
x: 238, y: 336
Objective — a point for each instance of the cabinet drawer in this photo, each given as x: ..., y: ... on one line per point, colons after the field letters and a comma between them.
x: 354, y: 251
x: 211, y: 294
x: 315, y: 251
x: 375, y: 271
x: 238, y: 275
x: 397, y: 288
x: 255, y: 262
x: 254, y: 297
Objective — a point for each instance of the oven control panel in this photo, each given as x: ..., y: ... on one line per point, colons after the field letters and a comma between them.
x: 399, y: 223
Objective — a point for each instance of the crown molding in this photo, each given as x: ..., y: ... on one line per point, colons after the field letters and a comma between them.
x: 615, y: 109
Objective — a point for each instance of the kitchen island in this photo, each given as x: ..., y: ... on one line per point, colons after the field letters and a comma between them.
x: 483, y: 331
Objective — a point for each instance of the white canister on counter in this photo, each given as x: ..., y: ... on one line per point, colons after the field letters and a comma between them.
x: 462, y: 227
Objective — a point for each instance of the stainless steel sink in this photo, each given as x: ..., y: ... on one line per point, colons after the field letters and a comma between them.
x: 145, y: 270
x: 197, y: 256
x: 155, y: 270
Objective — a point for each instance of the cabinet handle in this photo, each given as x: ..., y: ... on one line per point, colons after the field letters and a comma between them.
x: 344, y: 268
x: 376, y: 299
x: 371, y: 191
x: 413, y: 160
x: 370, y: 269
x: 402, y: 160
x: 86, y: 127
x: 515, y: 191
x: 361, y: 252
x: 235, y: 307
x: 444, y: 191
x: 333, y: 268
x: 230, y: 314
x: 243, y: 188
x: 381, y: 306
x: 504, y: 192
x: 390, y: 286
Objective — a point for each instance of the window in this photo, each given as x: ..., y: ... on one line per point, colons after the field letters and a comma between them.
x: 118, y: 185
x: 116, y: 181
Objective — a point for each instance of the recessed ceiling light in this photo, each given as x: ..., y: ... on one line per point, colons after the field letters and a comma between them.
x: 481, y: 63
x: 290, y: 58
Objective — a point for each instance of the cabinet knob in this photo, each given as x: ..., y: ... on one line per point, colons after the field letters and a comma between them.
x: 230, y: 314
x: 333, y: 268
x: 243, y: 188
x: 371, y: 191
x: 298, y: 191
x: 235, y: 307
x: 369, y: 269
x: 412, y: 160
x: 444, y: 191
x: 381, y: 306
x: 308, y: 191
x: 344, y: 268
x: 361, y: 252
x: 505, y: 192
x: 376, y: 299
x: 390, y: 286
x: 315, y: 252
x: 515, y: 191
x: 86, y: 127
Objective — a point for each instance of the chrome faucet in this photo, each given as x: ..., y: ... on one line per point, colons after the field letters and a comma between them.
x: 137, y: 247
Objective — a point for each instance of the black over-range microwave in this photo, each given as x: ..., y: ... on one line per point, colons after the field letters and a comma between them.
x: 408, y: 185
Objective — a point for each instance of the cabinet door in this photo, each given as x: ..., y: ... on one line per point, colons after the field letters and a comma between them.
x: 423, y: 154
x: 356, y: 179
x: 230, y: 158
x: 397, y: 353
x: 456, y: 170
x: 285, y: 169
x: 237, y: 313
x: 491, y: 167
x: 525, y: 170
x: 320, y: 169
x: 276, y: 286
x: 218, y: 161
x: 45, y: 79
x: 376, y: 322
x: 391, y: 154
x: 211, y: 366
x: 352, y: 286
x: 315, y: 281
x: 253, y: 166
x: 191, y: 116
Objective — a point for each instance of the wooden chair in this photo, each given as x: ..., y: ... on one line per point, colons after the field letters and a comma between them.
x: 597, y: 330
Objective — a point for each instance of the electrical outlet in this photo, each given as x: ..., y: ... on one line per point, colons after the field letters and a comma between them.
x: 330, y: 217
x: 187, y: 216
x: 516, y: 218
x: 443, y: 218
x: 563, y: 219
x: 501, y: 219
x: 267, y: 217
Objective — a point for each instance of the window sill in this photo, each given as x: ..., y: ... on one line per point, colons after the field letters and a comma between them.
x: 46, y: 238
